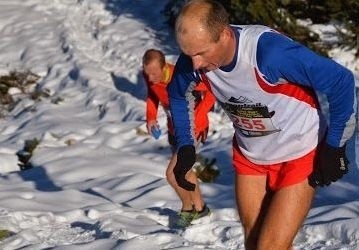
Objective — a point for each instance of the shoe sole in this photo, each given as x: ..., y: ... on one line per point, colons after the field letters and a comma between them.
x: 203, y: 219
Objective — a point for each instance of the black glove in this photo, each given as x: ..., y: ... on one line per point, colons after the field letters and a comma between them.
x: 330, y: 166
x: 186, y: 157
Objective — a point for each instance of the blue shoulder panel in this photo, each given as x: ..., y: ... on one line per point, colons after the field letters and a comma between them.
x: 280, y: 57
x: 181, y: 100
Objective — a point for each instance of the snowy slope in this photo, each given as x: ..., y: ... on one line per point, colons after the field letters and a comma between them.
x: 107, y: 189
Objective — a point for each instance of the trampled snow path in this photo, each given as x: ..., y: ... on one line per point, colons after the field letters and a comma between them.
x: 107, y: 189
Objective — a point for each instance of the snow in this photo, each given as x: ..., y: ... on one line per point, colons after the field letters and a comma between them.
x: 96, y: 183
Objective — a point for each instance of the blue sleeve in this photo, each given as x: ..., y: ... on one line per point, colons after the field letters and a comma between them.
x: 182, y: 101
x: 280, y: 57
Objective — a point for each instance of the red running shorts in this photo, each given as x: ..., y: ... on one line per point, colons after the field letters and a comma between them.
x: 278, y: 175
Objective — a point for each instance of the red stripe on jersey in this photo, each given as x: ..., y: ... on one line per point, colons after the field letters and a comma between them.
x: 301, y: 93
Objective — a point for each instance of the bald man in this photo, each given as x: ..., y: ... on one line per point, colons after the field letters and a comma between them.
x: 282, y: 145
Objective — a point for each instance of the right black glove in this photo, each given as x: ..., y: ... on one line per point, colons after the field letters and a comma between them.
x: 186, y: 157
x: 330, y: 166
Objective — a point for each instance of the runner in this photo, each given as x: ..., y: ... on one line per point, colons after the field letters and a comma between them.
x: 266, y: 83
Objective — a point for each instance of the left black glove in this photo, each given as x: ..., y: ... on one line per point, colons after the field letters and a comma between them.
x: 186, y: 157
x: 330, y: 166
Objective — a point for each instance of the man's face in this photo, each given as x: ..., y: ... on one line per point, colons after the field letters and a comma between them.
x: 204, y: 52
x: 154, y: 71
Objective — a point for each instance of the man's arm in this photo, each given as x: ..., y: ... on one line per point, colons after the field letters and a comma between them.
x: 203, y: 107
x: 182, y: 101
x: 182, y: 104
x: 152, y: 103
x: 151, y: 106
x: 279, y: 57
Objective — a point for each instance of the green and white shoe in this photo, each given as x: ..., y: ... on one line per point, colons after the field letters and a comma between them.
x: 200, y: 214
x: 185, y: 218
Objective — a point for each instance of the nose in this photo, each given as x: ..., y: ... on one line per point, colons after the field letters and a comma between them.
x: 151, y: 78
x: 197, y: 62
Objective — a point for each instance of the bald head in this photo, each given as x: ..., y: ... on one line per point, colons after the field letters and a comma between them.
x: 153, y: 55
x: 203, y: 33
x: 202, y: 16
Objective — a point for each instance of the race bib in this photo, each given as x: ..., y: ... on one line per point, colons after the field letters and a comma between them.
x: 251, y: 120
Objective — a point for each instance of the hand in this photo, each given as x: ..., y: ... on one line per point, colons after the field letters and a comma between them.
x: 150, y: 125
x: 186, y: 157
x: 330, y: 166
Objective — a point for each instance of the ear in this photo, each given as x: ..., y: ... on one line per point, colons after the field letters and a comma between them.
x: 226, y: 34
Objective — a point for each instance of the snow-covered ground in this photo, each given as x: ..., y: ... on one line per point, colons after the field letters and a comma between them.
x: 96, y: 183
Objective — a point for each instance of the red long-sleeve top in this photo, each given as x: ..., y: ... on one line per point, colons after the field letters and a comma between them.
x: 157, y: 94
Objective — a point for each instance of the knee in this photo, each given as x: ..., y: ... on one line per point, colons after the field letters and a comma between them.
x: 251, y: 234
x: 250, y: 245
x: 251, y: 239
x: 273, y: 243
x: 254, y: 240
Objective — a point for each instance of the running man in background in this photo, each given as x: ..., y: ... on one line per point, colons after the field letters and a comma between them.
x: 266, y: 83
x: 158, y: 74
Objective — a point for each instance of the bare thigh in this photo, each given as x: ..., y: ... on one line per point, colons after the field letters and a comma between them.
x: 286, y: 212
x: 250, y: 194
